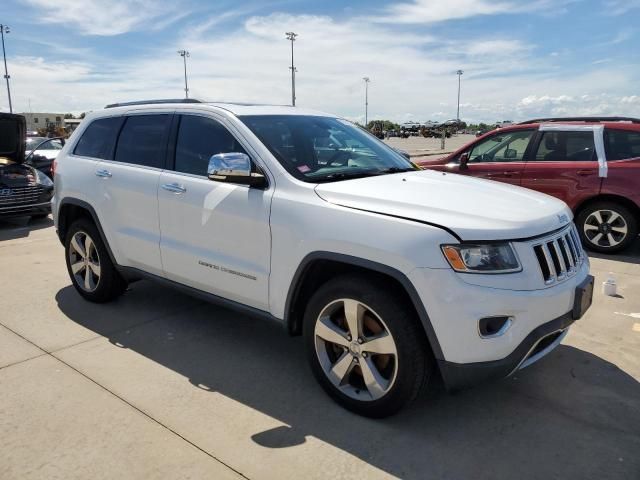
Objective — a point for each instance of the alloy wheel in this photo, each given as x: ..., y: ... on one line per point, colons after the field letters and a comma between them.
x: 356, y: 350
x: 605, y: 228
x: 84, y: 261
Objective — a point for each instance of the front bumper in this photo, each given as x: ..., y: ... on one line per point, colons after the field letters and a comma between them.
x: 536, y: 345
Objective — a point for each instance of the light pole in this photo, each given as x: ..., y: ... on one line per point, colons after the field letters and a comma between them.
x: 4, y: 29
x: 459, y: 73
x: 366, y: 101
x: 184, y: 54
x: 292, y: 36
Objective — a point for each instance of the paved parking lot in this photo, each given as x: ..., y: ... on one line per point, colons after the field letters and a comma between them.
x: 159, y: 385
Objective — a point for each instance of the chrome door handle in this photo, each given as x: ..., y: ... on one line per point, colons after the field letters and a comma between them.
x: 103, y: 173
x: 174, y: 187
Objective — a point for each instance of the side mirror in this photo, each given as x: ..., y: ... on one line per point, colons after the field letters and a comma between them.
x: 234, y: 167
x: 464, y: 161
x: 510, y: 153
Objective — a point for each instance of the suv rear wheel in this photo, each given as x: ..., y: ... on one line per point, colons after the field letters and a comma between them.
x: 607, y: 227
x: 365, y: 347
x: 90, y: 268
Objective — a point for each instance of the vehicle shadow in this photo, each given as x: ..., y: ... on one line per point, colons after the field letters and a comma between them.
x: 21, y: 227
x: 630, y: 255
x: 572, y: 415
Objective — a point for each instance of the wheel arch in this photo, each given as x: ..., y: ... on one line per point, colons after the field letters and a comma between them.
x: 318, y: 267
x: 70, y: 210
x: 608, y: 197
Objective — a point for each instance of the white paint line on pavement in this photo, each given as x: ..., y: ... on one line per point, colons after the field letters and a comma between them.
x: 632, y: 315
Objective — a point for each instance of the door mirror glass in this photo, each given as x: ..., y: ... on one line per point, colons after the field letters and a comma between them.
x: 234, y: 167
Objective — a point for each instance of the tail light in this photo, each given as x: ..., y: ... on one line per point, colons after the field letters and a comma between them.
x: 54, y: 164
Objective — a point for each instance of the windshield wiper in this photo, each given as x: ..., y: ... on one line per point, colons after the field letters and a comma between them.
x: 396, y: 170
x: 345, y: 175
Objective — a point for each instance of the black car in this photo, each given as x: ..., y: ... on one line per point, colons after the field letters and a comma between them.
x: 24, y: 190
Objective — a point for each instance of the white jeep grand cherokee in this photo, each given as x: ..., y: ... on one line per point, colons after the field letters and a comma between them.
x: 390, y: 273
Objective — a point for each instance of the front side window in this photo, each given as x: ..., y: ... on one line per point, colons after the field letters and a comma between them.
x: 324, y: 149
x: 198, y: 139
x: 566, y: 146
x: 143, y: 140
x: 622, y: 144
x: 99, y: 138
x: 502, y: 147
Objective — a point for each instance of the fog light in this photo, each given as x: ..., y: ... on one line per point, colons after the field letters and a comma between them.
x: 490, y: 327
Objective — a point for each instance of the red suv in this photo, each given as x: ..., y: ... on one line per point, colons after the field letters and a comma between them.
x: 593, y: 164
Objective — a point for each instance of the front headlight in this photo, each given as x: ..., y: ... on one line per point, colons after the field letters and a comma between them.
x: 482, y: 258
x: 42, y: 179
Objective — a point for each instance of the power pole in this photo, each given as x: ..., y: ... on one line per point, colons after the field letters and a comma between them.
x: 5, y: 29
x: 184, y: 54
x: 366, y: 101
x: 459, y: 73
x: 292, y: 37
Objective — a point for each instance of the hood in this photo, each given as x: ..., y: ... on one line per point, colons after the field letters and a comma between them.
x: 474, y: 209
x: 12, y: 138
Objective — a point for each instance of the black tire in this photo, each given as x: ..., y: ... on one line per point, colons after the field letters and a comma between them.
x: 414, y: 361
x: 586, y: 221
x: 110, y: 283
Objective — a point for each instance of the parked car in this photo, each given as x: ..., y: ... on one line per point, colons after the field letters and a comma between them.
x: 42, y: 151
x: 389, y: 272
x: 592, y: 164
x: 24, y: 190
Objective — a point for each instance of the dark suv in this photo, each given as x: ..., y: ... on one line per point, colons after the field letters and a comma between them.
x: 24, y: 190
x: 593, y: 164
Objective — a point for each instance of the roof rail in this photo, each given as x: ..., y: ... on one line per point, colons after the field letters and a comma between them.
x: 582, y: 119
x: 153, y: 102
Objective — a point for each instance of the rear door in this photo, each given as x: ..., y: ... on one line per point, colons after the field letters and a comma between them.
x: 565, y: 163
x: 623, y: 161
x: 129, y: 190
x: 499, y: 157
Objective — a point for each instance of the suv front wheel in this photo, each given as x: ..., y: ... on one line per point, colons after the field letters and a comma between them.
x: 365, y: 346
x: 607, y: 227
x: 90, y: 268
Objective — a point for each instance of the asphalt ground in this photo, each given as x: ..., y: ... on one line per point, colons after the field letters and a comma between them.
x: 160, y: 385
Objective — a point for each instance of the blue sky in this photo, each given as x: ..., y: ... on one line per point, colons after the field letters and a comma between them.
x: 521, y: 59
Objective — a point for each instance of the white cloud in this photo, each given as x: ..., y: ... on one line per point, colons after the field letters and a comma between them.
x: 412, y: 76
x: 621, y: 7
x: 432, y: 11
x: 107, y: 17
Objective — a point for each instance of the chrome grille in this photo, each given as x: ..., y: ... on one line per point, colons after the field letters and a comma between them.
x: 20, y: 195
x: 560, y: 255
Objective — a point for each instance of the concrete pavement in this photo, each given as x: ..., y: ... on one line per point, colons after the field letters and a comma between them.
x: 159, y: 385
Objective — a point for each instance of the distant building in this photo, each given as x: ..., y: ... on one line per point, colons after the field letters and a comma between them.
x: 70, y: 124
x: 36, y: 121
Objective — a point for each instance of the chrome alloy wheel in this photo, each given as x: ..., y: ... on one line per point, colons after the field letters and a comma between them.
x: 84, y: 261
x: 605, y: 228
x: 356, y: 350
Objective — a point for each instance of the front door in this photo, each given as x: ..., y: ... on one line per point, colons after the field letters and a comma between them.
x: 565, y: 164
x: 215, y: 236
x: 499, y: 157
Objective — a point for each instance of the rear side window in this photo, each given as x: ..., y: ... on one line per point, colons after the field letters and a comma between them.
x: 143, y: 140
x: 566, y: 146
x: 198, y: 139
x: 99, y: 138
x: 621, y: 144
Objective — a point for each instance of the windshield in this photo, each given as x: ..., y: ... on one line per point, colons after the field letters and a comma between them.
x: 322, y: 149
x: 33, y: 142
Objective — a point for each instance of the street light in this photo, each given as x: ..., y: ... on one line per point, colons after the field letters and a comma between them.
x: 366, y: 101
x: 184, y: 54
x: 459, y: 73
x: 292, y: 37
x: 5, y: 29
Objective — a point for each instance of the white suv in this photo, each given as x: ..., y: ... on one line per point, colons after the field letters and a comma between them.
x: 392, y: 274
